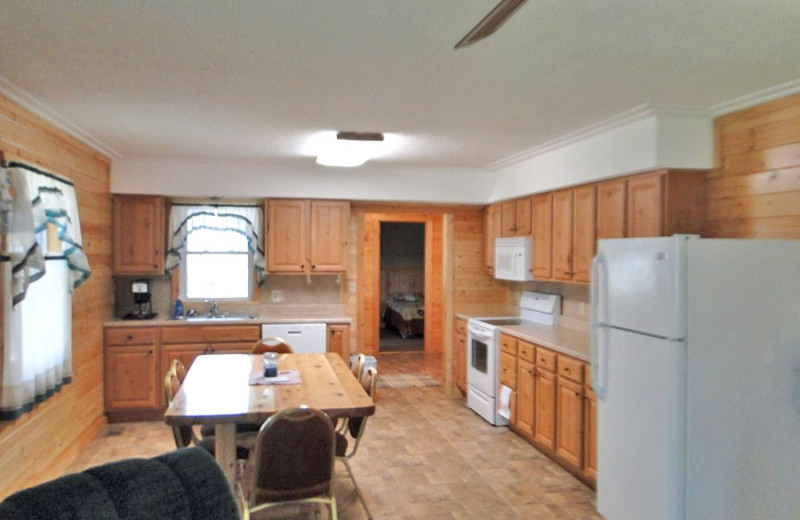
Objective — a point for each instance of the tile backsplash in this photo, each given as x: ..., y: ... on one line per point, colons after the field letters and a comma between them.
x: 291, y: 289
x: 574, y: 297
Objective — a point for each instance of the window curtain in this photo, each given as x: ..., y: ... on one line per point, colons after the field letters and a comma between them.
x: 247, y: 220
x: 36, y: 291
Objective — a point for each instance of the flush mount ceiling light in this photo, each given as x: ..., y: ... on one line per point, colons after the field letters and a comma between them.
x: 351, y: 149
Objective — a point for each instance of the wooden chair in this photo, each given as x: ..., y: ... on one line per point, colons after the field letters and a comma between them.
x: 271, y: 345
x: 294, y: 459
x: 357, y: 366
x: 180, y: 370
x: 345, y: 449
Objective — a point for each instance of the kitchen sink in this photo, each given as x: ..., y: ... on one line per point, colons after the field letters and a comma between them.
x: 221, y: 317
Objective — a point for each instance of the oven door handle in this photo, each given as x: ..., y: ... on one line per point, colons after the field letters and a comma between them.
x: 480, y: 334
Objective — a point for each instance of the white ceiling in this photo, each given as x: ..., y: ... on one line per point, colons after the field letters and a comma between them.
x: 254, y: 79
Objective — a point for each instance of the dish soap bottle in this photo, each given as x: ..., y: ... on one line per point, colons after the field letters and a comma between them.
x: 178, y: 308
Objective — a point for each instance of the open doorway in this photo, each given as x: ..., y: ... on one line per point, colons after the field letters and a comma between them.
x: 402, y: 287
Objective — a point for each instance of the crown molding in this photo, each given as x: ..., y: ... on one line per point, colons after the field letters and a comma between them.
x: 756, y: 98
x: 30, y: 103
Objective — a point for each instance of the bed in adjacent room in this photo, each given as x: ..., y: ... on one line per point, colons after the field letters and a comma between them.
x: 406, y: 313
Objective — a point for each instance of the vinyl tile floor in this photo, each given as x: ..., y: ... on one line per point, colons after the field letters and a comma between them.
x: 423, y: 457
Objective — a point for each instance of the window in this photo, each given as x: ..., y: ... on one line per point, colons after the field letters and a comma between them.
x: 218, y: 265
x: 218, y: 249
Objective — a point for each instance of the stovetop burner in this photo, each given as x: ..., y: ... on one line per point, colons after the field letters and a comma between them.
x: 504, y: 321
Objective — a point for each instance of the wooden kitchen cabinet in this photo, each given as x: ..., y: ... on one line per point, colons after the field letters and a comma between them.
x: 562, y: 235
x: 307, y: 236
x: 589, y: 467
x: 131, y: 369
x: 666, y: 202
x: 516, y: 217
x: 543, y: 236
x: 339, y: 340
x: 611, y: 208
x: 138, y: 235
x: 569, y: 422
x: 492, y: 229
x: 460, y: 367
x: 524, y: 423
x: 544, y: 432
x: 573, y: 233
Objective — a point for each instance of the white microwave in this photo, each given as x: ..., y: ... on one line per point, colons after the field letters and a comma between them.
x: 512, y: 259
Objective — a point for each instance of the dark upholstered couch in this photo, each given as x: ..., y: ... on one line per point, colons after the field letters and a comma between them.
x: 185, y: 484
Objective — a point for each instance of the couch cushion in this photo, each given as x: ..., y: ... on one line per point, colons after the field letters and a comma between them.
x: 185, y: 484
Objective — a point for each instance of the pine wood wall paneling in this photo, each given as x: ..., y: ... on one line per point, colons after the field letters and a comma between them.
x: 41, y: 444
x: 754, y: 190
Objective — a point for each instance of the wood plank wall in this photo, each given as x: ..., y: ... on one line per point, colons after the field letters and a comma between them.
x: 754, y: 189
x: 41, y: 444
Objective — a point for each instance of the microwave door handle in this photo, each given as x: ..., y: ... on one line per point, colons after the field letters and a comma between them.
x: 598, y: 332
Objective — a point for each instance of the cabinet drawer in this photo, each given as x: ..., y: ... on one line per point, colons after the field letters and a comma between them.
x: 508, y: 370
x: 461, y: 328
x: 570, y: 368
x: 526, y: 351
x: 546, y: 359
x: 216, y: 334
x: 131, y: 336
x: 508, y: 344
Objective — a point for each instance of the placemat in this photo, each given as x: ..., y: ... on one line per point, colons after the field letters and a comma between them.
x: 284, y: 377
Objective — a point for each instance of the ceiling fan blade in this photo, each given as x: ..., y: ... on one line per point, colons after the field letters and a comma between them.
x: 491, y: 22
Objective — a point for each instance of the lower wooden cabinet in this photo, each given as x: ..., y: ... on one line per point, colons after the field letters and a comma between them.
x: 137, y: 359
x: 553, y: 406
x: 131, y: 377
x: 525, y: 398
x: 339, y: 340
x: 569, y: 422
x: 589, y: 467
x: 544, y: 425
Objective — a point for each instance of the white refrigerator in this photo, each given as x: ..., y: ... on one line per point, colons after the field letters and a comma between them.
x: 696, y: 366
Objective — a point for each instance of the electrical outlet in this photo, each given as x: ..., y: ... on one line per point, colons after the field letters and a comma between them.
x: 276, y: 296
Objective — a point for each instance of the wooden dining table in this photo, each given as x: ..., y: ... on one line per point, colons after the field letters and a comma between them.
x: 216, y: 391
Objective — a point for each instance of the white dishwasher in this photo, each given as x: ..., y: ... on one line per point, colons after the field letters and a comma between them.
x: 304, y: 338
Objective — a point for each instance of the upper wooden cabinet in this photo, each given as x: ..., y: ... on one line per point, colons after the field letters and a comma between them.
x: 516, y: 217
x: 611, y: 208
x: 139, y: 234
x: 573, y: 233
x: 307, y: 236
x: 543, y: 236
x: 492, y: 228
x: 665, y: 203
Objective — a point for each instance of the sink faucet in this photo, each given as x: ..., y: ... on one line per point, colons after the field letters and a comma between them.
x: 213, y: 310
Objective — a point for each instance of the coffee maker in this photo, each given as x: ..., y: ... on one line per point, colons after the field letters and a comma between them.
x: 141, y: 298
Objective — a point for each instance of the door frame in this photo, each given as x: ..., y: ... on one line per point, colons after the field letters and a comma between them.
x: 369, y: 279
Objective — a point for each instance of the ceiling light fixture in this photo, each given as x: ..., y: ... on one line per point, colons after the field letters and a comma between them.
x: 351, y: 149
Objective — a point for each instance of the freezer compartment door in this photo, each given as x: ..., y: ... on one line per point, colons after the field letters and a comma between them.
x: 640, y: 285
x: 641, y: 429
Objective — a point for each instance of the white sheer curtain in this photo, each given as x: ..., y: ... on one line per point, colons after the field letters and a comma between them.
x: 247, y: 220
x: 37, y: 306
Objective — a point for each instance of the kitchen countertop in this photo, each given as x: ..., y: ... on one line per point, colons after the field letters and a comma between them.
x: 568, y: 336
x: 332, y: 314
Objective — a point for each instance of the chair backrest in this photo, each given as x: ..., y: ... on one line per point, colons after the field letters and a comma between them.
x: 369, y: 380
x: 183, y: 435
x: 179, y: 369
x: 357, y: 366
x: 177, y: 485
x: 271, y: 345
x: 295, y: 453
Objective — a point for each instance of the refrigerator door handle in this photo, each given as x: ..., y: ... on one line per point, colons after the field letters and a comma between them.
x: 598, y: 347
